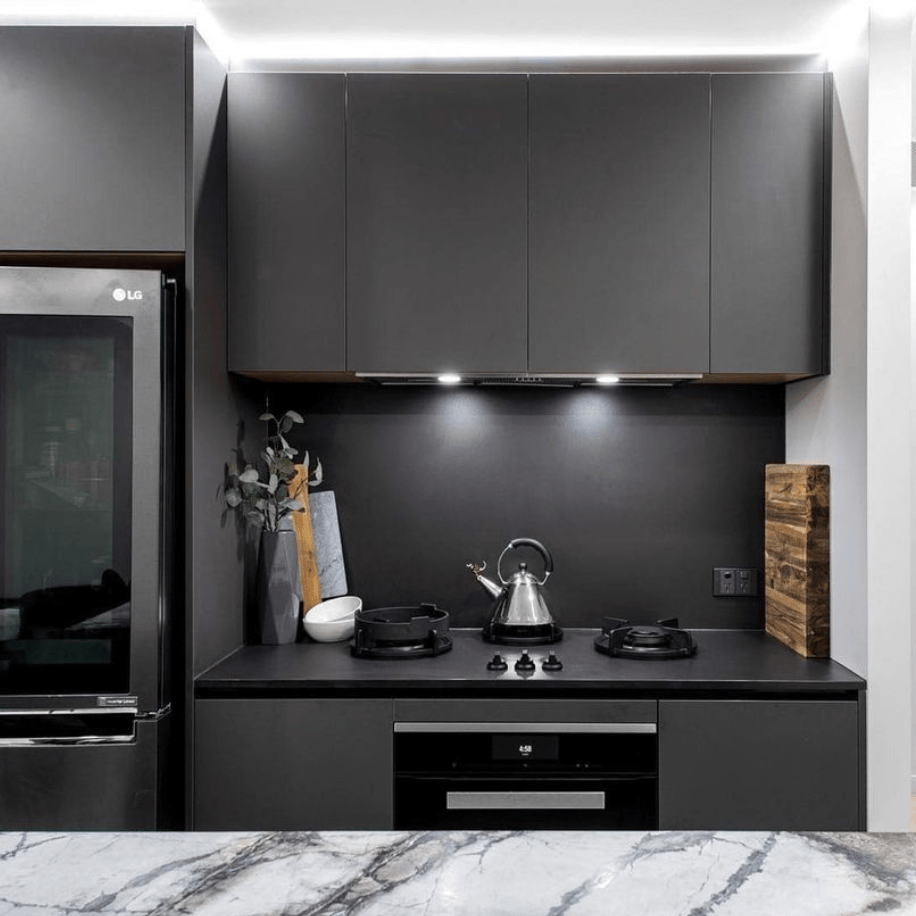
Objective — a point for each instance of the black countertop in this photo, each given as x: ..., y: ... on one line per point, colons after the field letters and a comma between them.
x: 727, y: 661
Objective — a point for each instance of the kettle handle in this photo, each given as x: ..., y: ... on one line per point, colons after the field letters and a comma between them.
x: 527, y: 542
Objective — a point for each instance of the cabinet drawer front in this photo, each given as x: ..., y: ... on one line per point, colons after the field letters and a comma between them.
x: 758, y: 765
x: 552, y: 711
x: 293, y: 764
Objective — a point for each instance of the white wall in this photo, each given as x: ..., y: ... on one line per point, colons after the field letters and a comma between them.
x: 889, y: 380
x: 859, y: 419
x: 825, y: 417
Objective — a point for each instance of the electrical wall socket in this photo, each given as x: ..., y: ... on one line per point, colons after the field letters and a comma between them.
x: 734, y: 582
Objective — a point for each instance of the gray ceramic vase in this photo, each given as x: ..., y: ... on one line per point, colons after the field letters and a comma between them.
x: 278, y: 589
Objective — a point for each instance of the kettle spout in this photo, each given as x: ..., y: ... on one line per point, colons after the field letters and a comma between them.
x: 494, y: 589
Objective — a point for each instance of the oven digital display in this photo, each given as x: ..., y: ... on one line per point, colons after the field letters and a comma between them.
x: 526, y: 747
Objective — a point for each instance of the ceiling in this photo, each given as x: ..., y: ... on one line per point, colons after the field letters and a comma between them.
x: 249, y: 33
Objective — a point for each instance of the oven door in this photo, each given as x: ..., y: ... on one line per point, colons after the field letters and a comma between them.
x: 523, y: 776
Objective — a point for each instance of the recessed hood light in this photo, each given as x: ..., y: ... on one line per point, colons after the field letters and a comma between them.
x: 527, y: 380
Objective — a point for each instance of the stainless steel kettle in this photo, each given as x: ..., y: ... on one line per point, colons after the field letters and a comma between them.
x: 520, y: 615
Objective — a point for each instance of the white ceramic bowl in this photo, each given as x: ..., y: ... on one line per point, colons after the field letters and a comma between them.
x: 332, y: 620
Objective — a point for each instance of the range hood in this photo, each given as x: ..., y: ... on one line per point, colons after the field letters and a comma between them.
x: 530, y: 380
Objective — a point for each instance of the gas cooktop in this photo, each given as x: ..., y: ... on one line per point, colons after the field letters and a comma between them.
x: 407, y: 633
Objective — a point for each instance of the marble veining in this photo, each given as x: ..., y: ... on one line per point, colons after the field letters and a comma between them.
x: 447, y: 873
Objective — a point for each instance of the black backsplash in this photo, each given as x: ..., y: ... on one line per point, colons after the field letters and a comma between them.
x: 638, y: 493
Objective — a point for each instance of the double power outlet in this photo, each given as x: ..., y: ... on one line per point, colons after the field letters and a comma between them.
x: 734, y: 582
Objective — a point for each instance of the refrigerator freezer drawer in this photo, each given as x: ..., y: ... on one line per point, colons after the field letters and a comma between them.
x: 96, y: 786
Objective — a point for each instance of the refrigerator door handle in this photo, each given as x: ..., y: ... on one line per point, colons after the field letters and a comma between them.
x: 80, y: 741
x: 56, y: 729
x: 72, y: 711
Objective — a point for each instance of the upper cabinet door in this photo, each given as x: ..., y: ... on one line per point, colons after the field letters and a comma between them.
x: 619, y: 246
x: 93, y: 139
x: 287, y: 233
x: 436, y: 222
x: 768, y: 223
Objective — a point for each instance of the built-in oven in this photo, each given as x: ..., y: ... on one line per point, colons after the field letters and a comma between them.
x: 486, y: 775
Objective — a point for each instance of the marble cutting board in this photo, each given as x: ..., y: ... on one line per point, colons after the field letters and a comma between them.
x: 328, y: 550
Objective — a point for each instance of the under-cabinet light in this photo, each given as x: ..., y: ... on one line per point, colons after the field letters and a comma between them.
x: 449, y: 378
x: 607, y: 379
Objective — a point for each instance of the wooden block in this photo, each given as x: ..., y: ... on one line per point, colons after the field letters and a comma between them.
x: 305, y: 541
x: 797, y: 557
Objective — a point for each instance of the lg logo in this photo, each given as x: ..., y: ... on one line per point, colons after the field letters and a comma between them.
x: 119, y: 295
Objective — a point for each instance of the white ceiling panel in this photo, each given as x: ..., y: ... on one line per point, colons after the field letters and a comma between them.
x: 430, y: 29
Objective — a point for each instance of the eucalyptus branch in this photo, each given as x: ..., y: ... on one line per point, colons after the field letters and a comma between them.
x: 261, y: 491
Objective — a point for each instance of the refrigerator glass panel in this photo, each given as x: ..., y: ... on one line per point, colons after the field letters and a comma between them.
x: 65, y: 513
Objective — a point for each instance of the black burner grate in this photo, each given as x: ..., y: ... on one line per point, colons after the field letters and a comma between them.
x: 401, y: 632
x: 661, y: 641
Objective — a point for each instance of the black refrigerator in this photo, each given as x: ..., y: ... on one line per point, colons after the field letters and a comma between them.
x: 87, y: 551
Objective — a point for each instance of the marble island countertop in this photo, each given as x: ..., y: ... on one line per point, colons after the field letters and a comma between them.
x: 451, y: 873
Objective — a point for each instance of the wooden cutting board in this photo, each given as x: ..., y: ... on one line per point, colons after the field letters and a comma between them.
x: 305, y: 541
x: 797, y: 557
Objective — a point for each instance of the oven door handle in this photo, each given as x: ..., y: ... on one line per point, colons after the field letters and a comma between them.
x: 525, y: 801
x: 529, y: 728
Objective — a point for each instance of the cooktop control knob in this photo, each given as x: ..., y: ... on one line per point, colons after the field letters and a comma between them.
x: 552, y: 663
x: 524, y: 663
x: 497, y: 663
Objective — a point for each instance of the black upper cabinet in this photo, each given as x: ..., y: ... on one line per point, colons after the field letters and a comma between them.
x: 768, y: 222
x: 287, y: 207
x: 436, y: 222
x: 557, y: 223
x: 619, y: 223
x: 93, y: 139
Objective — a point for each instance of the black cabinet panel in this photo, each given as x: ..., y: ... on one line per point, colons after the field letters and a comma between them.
x: 287, y: 248
x: 436, y: 222
x: 619, y: 222
x: 293, y: 764
x: 93, y: 139
x: 758, y: 765
x: 768, y: 246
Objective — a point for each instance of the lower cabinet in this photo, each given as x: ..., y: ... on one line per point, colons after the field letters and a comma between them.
x: 758, y: 765
x: 328, y: 764
x: 293, y: 764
